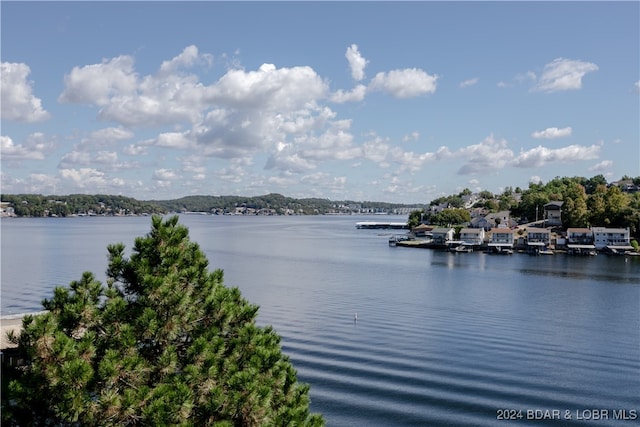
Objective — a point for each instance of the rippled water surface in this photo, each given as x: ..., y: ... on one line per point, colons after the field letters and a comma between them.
x: 441, y: 339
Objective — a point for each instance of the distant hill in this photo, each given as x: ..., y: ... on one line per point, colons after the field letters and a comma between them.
x: 37, y: 205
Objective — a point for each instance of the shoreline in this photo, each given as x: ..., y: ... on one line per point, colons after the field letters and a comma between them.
x: 11, y: 322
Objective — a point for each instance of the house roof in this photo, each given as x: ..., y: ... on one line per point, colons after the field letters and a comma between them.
x: 609, y: 230
x: 441, y: 230
x: 421, y: 227
x: 471, y: 231
x: 555, y: 205
x: 538, y: 231
x: 502, y: 230
x: 578, y: 230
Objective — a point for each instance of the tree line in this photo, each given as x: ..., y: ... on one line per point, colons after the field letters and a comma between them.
x: 37, y: 205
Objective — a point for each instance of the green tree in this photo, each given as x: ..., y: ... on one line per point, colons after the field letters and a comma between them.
x: 531, y: 205
x: 597, y: 204
x: 617, y: 207
x: 574, y: 209
x: 415, y: 218
x: 451, y: 216
x: 163, y: 343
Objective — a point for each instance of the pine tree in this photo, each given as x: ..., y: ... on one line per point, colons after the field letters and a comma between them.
x: 163, y: 343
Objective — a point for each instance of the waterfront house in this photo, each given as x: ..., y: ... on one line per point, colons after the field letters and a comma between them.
x: 580, y: 241
x: 501, y: 240
x: 442, y: 235
x: 538, y: 239
x: 472, y: 236
x: 422, y: 230
x: 502, y: 236
x: 611, y: 239
x: 553, y: 213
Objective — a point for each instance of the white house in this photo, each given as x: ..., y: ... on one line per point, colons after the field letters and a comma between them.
x: 580, y: 241
x: 501, y: 237
x: 538, y: 239
x: 472, y: 236
x: 442, y: 235
x: 612, y: 238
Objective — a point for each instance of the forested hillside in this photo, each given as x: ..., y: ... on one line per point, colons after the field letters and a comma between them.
x: 37, y: 205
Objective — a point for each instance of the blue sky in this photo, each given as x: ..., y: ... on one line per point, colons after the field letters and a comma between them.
x: 386, y: 101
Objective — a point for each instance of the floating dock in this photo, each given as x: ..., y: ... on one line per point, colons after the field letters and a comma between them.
x: 382, y: 225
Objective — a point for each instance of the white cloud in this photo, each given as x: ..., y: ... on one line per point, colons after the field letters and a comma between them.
x: 167, y: 97
x: 35, y: 147
x: 306, y: 151
x: 85, y: 177
x: 17, y: 151
x: 469, y: 82
x: 563, y: 74
x: 98, y: 83
x: 637, y: 86
x: 163, y: 178
x: 494, y: 154
x: 111, y: 134
x: 541, y: 156
x: 602, y: 166
x: 178, y: 140
x: 134, y: 150
x: 101, y: 159
x: 379, y: 151
x: 75, y: 158
x: 164, y: 174
x: 18, y: 101
x: 552, y: 133
x: 405, y: 83
x: 269, y: 88
x: 325, y: 181
x: 189, y: 57
x: 413, y: 136
x: 487, y: 156
x: 354, y: 95
x: 535, y: 179
x: 356, y: 62
x: 38, y: 183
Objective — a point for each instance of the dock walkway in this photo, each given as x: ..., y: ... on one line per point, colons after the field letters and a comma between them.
x: 382, y: 225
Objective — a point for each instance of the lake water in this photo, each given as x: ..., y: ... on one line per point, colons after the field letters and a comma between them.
x: 441, y: 339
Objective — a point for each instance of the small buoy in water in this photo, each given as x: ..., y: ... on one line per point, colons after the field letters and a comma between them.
x: 355, y: 317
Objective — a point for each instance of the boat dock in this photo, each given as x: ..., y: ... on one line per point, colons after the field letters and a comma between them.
x: 382, y: 225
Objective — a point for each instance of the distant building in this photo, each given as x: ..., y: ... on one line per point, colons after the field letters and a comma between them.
x: 626, y: 185
x: 493, y: 220
x: 553, y: 213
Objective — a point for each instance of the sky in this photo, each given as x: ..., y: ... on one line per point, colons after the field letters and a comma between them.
x: 400, y: 102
